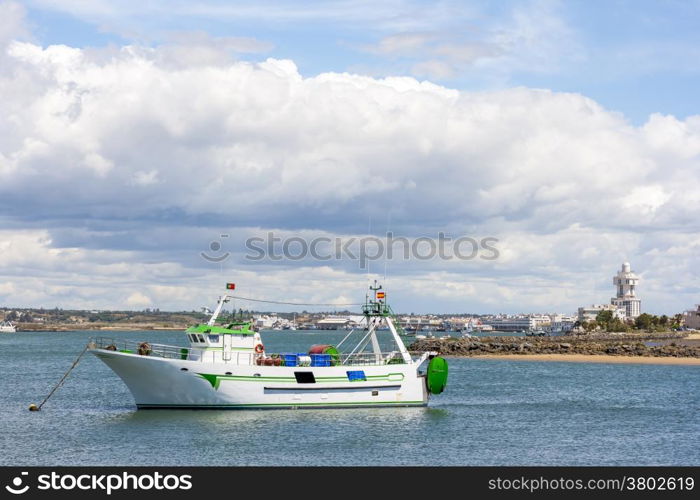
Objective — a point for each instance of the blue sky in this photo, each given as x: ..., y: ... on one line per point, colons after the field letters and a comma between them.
x: 634, y: 57
x: 570, y: 131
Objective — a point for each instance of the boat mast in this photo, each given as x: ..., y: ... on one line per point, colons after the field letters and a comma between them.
x: 375, y: 324
x: 376, y: 312
x: 222, y: 300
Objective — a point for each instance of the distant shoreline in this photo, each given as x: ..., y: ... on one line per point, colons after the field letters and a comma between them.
x: 651, y: 348
x: 126, y: 327
x: 592, y: 358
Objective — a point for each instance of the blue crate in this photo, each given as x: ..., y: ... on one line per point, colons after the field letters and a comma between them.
x: 320, y: 360
x: 290, y: 359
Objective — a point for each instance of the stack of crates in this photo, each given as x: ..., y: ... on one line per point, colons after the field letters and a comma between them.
x: 320, y: 359
x: 290, y: 359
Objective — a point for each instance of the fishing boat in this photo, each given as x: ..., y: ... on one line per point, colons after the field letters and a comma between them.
x: 7, y: 327
x: 228, y: 367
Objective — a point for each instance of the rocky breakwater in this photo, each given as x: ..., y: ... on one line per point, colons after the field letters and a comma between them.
x: 559, y: 345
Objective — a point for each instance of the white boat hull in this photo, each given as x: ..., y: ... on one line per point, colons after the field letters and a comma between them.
x: 171, y: 383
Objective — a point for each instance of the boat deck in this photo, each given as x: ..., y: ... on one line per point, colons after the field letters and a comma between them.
x: 217, y: 355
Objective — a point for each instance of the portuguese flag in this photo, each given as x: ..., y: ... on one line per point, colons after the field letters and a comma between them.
x: 230, y: 286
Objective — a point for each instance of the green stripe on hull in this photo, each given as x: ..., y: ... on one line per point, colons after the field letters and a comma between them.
x: 215, y: 380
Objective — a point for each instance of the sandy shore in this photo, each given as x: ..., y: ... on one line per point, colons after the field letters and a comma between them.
x: 693, y: 336
x: 594, y: 358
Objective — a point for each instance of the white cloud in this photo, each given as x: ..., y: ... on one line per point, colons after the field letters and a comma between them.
x: 570, y: 188
x: 145, y: 178
x: 137, y: 299
x: 646, y: 199
x: 12, y: 22
x: 673, y: 136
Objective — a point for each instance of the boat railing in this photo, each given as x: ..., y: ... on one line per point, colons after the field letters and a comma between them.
x: 139, y: 347
x: 370, y: 358
x: 246, y: 358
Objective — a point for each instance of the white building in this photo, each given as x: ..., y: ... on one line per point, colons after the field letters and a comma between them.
x: 589, y: 313
x: 625, y: 282
x: 521, y: 323
x: 339, y: 322
x: 333, y: 323
x: 419, y: 322
x: 691, y: 318
x: 562, y: 323
x: 265, y: 321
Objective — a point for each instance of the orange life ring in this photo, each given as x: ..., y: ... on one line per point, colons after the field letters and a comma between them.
x: 259, y: 348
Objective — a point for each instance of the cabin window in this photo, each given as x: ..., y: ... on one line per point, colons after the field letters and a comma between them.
x: 200, y: 337
x: 214, y: 339
x: 191, y: 337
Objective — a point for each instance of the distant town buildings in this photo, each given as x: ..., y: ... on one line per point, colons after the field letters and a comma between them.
x: 691, y: 318
x: 529, y: 322
x: 428, y: 322
x: 625, y: 282
x: 520, y: 323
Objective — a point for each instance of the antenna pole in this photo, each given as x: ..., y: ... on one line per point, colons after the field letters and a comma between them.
x: 369, y: 233
x: 386, y: 250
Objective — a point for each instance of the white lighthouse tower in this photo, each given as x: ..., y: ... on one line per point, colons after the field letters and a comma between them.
x: 625, y: 282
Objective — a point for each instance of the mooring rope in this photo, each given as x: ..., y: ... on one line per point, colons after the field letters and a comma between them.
x: 33, y: 407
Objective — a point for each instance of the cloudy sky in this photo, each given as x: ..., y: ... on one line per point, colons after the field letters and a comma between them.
x: 133, y: 135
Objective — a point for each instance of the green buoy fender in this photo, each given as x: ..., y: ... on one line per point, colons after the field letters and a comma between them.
x: 335, y: 355
x: 436, y: 377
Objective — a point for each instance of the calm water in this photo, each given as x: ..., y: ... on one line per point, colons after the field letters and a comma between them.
x: 493, y: 413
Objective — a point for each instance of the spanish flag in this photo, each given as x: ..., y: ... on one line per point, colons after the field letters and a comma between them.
x: 230, y: 286
x: 380, y: 295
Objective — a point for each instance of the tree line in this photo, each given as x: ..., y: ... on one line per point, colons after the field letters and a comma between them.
x: 648, y: 322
